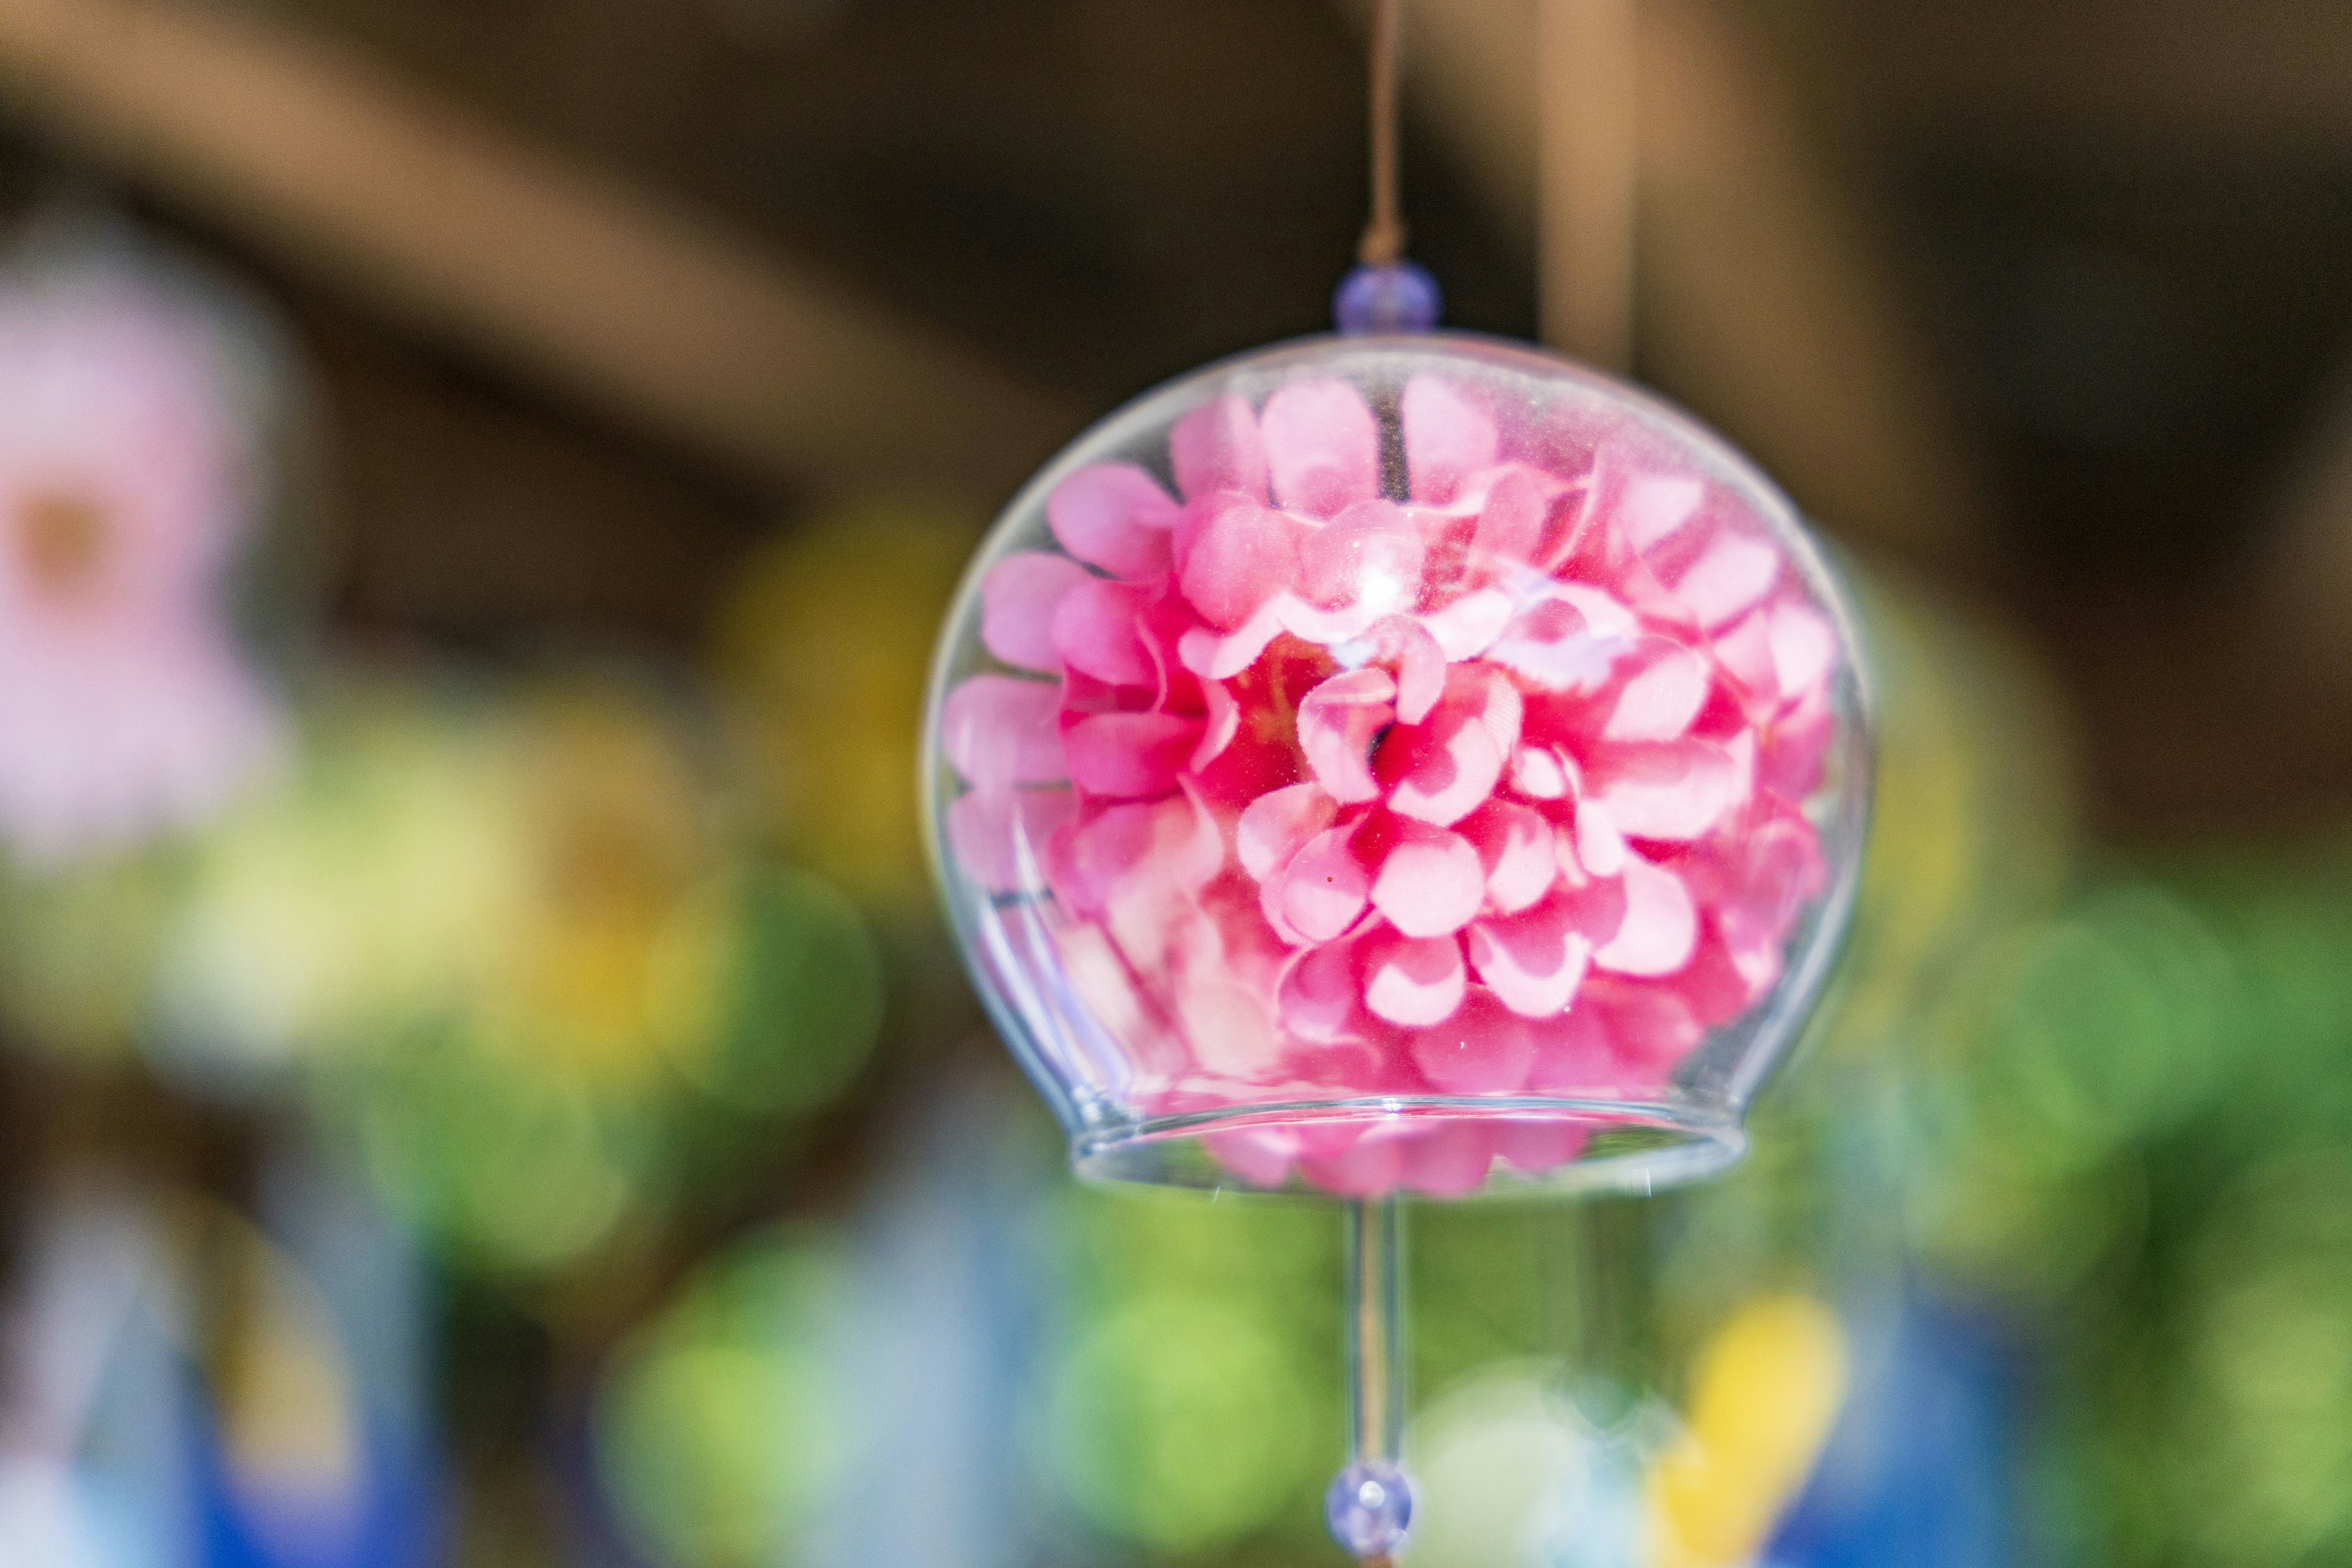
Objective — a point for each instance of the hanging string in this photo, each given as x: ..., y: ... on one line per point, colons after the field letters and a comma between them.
x: 1384, y: 292
x: 1383, y: 240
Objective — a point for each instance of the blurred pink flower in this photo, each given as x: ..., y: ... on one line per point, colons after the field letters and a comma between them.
x: 1490, y: 791
x: 126, y: 706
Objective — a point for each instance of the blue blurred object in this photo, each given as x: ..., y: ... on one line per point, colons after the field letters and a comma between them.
x: 951, y: 1320
x: 94, y: 1473
x: 394, y: 1524
x: 370, y: 1279
x: 1917, y: 1470
x: 1390, y: 296
x: 1370, y: 1508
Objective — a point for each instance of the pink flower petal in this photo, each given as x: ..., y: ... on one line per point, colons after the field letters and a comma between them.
x: 1592, y: 545
x: 1097, y: 630
x: 1224, y: 721
x: 1449, y: 1159
x: 1446, y: 439
x: 1368, y: 554
x: 1165, y: 848
x: 1661, y: 928
x: 1538, y: 773
x: 1079, y: 880
x: 1018, y: 598
x: 1500, y: 709
x: 1328, y: 1140
x: 1536, y: 1148
x: 1276, y: 824
x: 1515, y: 846
x: 1161, y: 619
x: 1804, y: 648
x: 1574, y: 1052
x: 1533, y: 961
x: 1317, y: 996
x: 1646, y: 1026
x: 1420, y: 665
x: 1126, y: 755
x: 1511, y: 524
x: 1668, y: 687
x: 998, y: 836
x: 1596, y: 908
x: 1568, y: 639
x: 1776, y: 866
x: 1217, y: 448
x: 998, y: 731
x: 1411, y: 981
x: 1238, y: 557
x: 1194, y: 844
x: 1329, y: 628
x: 1729, y: 576
x: 1796, y: 748
x: 1744, y: 649
x: 1441, y: 772
x: 1674, y: 792
x: 1214, y: 657
x: 1269, y: 906
x: 1346, y: 1063
x: 1336, y: 723
x: 1716, y: 983
x: 1600, y: 847
x: 1322, y: 448
x: 1259, y: 1156
x: 1114, y: 516
x: 1469, y: 625
x: 1369, y: 1168
x: 1650, y: 507
x: 1324, y: 887
x: 1481, y: 1050
x: 1430, y: 882
x: 1604, y: 613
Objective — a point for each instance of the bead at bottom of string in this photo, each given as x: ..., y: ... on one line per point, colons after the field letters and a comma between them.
x: 1369, y: 1509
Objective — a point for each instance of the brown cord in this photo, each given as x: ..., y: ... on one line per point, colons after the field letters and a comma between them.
x: 1383, y: 240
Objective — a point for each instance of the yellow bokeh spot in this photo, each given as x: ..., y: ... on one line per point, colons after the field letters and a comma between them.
x: 823, y: 652
x: 285, y: 1388
x: 1765, y: 1392
x: 617, y: 832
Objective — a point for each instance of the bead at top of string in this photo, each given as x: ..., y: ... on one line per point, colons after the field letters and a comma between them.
x: 1384, y: 292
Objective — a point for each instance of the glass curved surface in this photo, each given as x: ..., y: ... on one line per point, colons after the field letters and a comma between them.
x: 1399, y: 765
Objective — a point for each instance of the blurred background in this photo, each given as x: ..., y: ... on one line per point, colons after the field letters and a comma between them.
x: 482, y: 1080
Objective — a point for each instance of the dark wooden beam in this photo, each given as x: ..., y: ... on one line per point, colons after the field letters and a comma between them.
x: 649, y: 313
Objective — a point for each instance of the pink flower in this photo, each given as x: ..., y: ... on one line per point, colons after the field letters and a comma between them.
x: 1490, y: 788
x: 125, y: 706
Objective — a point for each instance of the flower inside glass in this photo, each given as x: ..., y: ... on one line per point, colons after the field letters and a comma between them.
x: 1399, y: 765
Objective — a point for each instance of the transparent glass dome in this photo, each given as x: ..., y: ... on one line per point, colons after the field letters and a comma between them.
x: 1407, y: 764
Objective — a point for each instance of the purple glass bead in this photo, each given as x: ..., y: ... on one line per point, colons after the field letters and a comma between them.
x: 1370, y: 1508
x: 1394, y: 297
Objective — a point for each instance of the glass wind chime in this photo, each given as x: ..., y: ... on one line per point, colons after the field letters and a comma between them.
x: 1398, y: 763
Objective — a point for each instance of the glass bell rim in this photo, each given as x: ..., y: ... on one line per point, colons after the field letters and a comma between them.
x: 1653, y: 1145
